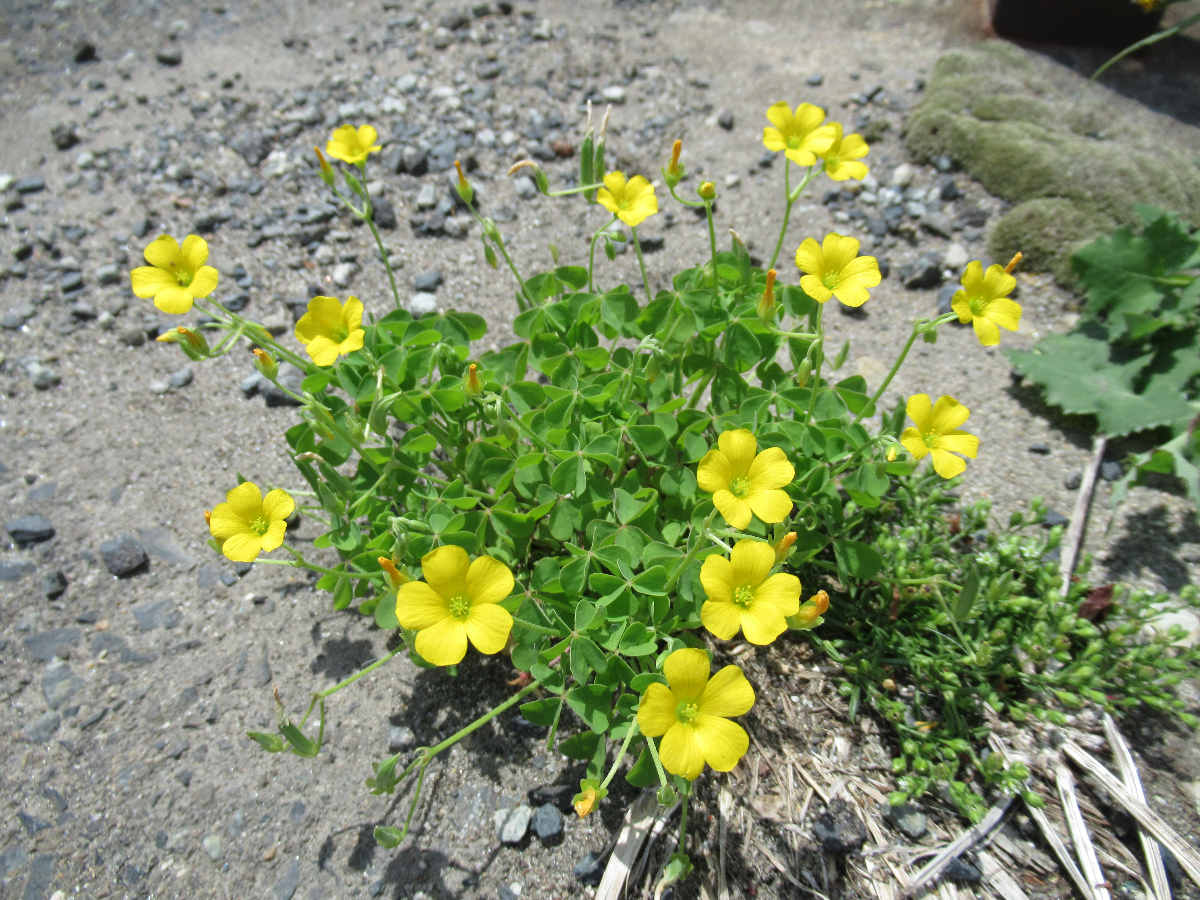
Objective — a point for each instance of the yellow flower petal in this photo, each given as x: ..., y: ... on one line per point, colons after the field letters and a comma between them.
x: 997, y: 283
x: 488, y: 581
x: 274, y: 535
x: 224, y: 523
x: 354, y: 341
x: 773, y: 140
x: 959, y: 304
x: 914, y: 443
x: 418, y: 606
x: 815, y: 288
x: 193, y: 254
x: 488, y: 626
x: 721, y: 742
x: 162, y: 252
x: 801, y: 157
x: 727, y: 694
x: 444, y: 643
x: 851, y: 295
x: 959, y: 442
x: 246, y: 500
x: 722, y: 618
x: 838, y: 250
x: 853, y: 147
x: 680, y: 754
x: 204, y: 282
x: 174, y: 300
x: 1005, y: 313
x: 770, y: 506
x: 615, y: 182
x: 862, y: 271
x: 656, y: 711
x: 323, y: 351
x: 739, y: 447
x: 242, y: 547
x: 947, y: 464
x: 809, y: 258
x: 713, y: 473
x: 920, y: 410
x: 146, y: 281
x: 734, y: 511
x: 278, y: 505
x: 687, y: 673
x: 446, y: 569
x: 986, y: 330
x: 972, y: 278
x: 750, y: 561
x: 847, y: 170
x: 770, y: 470
x: 716, y: 577
x: 762, y: 623
x: 352, y: 314
x: 948, y: 414
x: 782, y: 591
x: 605, y: 198
x: 780, y: 115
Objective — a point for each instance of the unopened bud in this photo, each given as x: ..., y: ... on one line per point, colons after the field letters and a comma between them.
x: 266, y: 363
x: 673, y: 173
x: 191, y: 343
x: 1014, y: 262
x: 539, y: 176
x: 707, y: 191
x: 803, y: 372
x: 783, y: 547
x: 208, y: 518
x: 472, y: 386
x: 766, y: 303
x: 394, y: 576
x: 326, y: 169
x: 490, y: 255
x: 465, y: 191
x: 892, y: 453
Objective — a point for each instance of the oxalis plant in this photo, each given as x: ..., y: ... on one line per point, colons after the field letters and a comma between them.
x: 632, y: 482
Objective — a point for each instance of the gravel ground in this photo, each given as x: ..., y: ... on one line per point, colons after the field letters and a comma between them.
x: 126, y: 769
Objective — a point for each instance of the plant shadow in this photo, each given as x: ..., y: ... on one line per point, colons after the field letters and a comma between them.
x: 1151, y: 543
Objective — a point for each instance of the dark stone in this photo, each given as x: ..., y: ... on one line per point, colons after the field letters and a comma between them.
x: 44, y: 647
x: 31, y: 824
x: 958, y: 869
x: 72, y: 281
x: 160, y: 544
x: 651, y: 243
x: 839, y: 829
x: 590, y: 869
x: 1110, y: 471
x: 907, y: 818
x: 946, y: 298
x: 548, y: 822
x: 41, y: 877
x: 428, y: 281
x: 30, y: 530
x: 921, y: 274
x: 489, y: 70
x: 169, y: 56
x: 725, y: 119
x: 85, y: 52
x: 1053, y: 518
x: 286, y: 886
x: 948, y: 189
x: 41, y: 729
x: 59, y: 684
x: 1073, y: 481
x: 123, y: 555
x: 133, y: 658
x: 291, y: 378
x: 30, y: 185
x: 560, y: 795
x: 106, y: 640
x: 815, y: 80
x: 93, y: 719
x: 15, y: 569
x: 13, y: 857
x: 54, y: 584
x: 253, y: 145
x: 64, y: 136
x: 1041, y: 449
x: 57, y: 800
x: 383, y: 213
x: 1174, y: 870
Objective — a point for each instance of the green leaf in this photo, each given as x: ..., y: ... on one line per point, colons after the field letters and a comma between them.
x: 591, y: 703
x: 643, y: 773
x: 569, y: 476
x: 643, y: 681
x: 651, y: 581
x: 857, y: 560
x: 580, y: 746
x: 387, y: 836
x: 301, y: 745
x: 967, y: 595
x: 649, y: 440
x: 541, y: 712
x: 385, y: 612
x: 272, y: 743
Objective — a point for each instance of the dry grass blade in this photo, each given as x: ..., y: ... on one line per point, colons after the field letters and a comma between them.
x: 725, y: 805
x: 1078, y: 831
x: 1188, y: 860
x: 1129, y: 774
x: 638, y: 822
x: 1074, y: 535
x: 998, y: 879
x: 964, y: 841
x: 782, y: 869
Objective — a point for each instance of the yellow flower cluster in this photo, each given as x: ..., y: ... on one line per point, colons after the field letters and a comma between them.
x: 804, y: 139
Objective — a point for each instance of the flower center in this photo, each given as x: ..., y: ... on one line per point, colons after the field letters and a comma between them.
x: 832, y: 162
x: 341, y: 333
x: 931, y: 440
x: 743, y: 596
x: 260, y: 526
x: 831, y: 280
x: 976, y: 305
x: 740, y: 486
x: 184, y: 277
x: 794, y: 141
x: 687, y: 711
x: 459, y: 606
x: 622, y: 203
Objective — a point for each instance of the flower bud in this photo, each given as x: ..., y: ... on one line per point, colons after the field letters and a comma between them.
x: 674, y: 172
x: 472, y: 386
x: 208, y: 518
x: 326, y: 169
x: 394, y: 576
x: 766, y: 303
x: 490, y: 255
x: 590, y: 793
x: 803, y: 372
x: 539, y: 176
x: 707, y: 191
x: 892, y: 453
x: 587, y: 150
x: 465, y: 191
x: 809, y: 615
x: 783, y: 547
x: 1014, y: 262
x: 190, y: 342
x: 266, y: 363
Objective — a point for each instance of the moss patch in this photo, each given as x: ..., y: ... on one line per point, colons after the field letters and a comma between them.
x: 1077, y: 167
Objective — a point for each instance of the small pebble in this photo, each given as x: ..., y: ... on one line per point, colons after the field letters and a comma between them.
x: 1073, y: 481
x: 1039, y: 448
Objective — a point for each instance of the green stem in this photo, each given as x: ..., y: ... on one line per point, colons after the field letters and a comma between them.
x: 787, y: 210
x: 533, y: 435
x: 953, y: 621
x: 700, y: 388
x: 524, y: 301
x: 683, y: 817
x: 798, y: 335
x: 712, y: 245
x: 383, y: 254
x: 662, y: 776
x: 681, y: 200
x: 817, y: 351
x: 629, y: 736
x: 575, y: 190
x: 637, y: 246
x: 691, y: 554
x: 540, y: 629
x: 919, y: 327
x: 592, y: 251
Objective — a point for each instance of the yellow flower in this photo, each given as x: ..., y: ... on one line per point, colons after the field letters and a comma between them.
x: 743, y: 595
x: 841, y: 159
x: 810, y: 611
x: 248, y: 523
x: 937, y: 433
x: 691, y: 714
x: 835, y: 269
x: 800, y: 135
x: 590, y: 793
x: 457, y: 601
x: 983, y: 301
x: 632, y: 202
x: 353, y: 145
x: 743, y: 483
x: 329, y: 329
x: 176, y: 275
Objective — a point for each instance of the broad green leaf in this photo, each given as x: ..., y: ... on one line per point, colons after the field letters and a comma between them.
x: 857, y: 560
